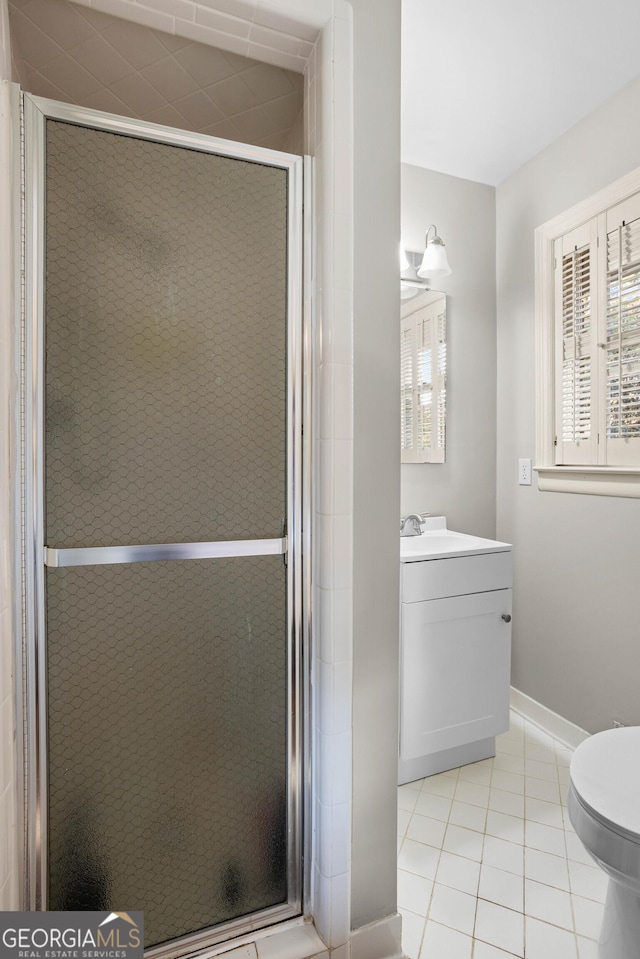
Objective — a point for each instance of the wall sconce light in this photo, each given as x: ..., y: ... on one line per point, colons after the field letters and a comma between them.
x: 415, y: 268
x: 434, y: 261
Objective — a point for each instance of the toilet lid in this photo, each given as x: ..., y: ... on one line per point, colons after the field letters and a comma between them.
x: 605, y: 772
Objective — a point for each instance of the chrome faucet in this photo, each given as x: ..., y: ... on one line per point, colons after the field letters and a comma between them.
x: 412, y: 525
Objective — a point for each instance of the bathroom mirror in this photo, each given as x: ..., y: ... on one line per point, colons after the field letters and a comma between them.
x: 423, y: 359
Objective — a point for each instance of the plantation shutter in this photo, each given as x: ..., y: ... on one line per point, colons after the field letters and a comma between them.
x: 575, y: 319
x: 423, y: 384
x: 432, y: 383
x: 407, y: 366
x: 440, y: 327
x: 622, y: 342
x: 424, y: 398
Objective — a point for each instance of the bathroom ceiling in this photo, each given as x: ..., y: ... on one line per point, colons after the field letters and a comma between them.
x: 82, y: 56
x: 486, y: 86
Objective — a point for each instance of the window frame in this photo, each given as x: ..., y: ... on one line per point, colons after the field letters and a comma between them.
x: 595, y: 479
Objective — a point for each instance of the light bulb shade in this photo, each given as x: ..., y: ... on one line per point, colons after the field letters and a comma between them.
x: 434, y: 262
x: 404, y: 260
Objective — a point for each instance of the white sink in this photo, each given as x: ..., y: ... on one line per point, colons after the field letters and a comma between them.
x: 445, y: 543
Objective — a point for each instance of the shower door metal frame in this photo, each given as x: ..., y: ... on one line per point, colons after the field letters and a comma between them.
x: 36, y: 111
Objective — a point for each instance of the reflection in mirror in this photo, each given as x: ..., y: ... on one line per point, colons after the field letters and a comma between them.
x: 423, y: 357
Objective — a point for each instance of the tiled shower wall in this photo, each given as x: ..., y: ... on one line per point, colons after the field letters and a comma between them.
x: 329, y: 141
x: 251, y: 28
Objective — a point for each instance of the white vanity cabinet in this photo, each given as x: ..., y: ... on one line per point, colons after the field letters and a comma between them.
x: 455, y: 652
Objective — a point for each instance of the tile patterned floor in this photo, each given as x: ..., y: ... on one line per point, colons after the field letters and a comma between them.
x: 489, y: 866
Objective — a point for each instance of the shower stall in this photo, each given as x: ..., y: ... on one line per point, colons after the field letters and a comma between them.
x: 163, y: 526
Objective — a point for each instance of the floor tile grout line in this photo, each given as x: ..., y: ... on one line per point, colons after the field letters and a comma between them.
x: 565, y: 828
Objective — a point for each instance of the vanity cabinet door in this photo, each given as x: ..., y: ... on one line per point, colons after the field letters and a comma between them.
x: 455, y: 671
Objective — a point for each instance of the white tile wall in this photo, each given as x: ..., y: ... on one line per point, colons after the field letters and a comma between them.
x: 327, y: 101
x: 82, y: 56
x: 252, y: 29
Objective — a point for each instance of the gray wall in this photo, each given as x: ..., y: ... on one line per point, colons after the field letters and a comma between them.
x: 464, y: 486
x: 576, y: 631
x: 376, y: 458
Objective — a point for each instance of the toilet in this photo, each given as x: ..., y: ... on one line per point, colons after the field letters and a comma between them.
x: 604, y: 808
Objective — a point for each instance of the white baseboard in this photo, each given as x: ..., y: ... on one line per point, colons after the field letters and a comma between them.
x: 553, y: 724
x: 378, y: 940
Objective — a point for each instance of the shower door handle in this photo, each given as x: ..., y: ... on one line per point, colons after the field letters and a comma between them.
x: 109, y: 555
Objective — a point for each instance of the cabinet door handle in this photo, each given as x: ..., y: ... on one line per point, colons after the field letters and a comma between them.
x: 506, y: 617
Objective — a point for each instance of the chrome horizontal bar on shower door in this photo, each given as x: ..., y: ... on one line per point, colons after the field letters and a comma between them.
x: 109, y: 555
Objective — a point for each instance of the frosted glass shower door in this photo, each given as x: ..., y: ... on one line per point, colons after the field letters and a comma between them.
x: 166, y: 506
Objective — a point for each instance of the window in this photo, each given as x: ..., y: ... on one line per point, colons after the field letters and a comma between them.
x: 423, y: 353
x: 588, y: 345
